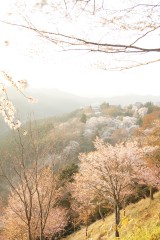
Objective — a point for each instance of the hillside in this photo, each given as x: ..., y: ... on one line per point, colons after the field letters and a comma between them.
x: 59, y: 140
x: 142, y: 222
x: 68, y: 135
x: 53, y: 102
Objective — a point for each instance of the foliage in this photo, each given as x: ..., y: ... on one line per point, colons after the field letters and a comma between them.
x: 150, y: 136
x: 67, y: 173
x: 150, y: 107
x: 149, y: 118
x: 83, y: 118
x: 111, y: 110
x: 104, y: 106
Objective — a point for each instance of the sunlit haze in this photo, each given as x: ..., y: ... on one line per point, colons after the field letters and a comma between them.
x: 27, y: 57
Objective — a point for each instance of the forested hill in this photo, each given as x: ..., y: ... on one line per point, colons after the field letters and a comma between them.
x: 69, y: 134
x: 40, y: 150
x: 53, y: 102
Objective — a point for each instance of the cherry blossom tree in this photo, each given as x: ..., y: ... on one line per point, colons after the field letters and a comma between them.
x: 82, y: 203
x: 16, y: 224
x: 149, y: 135
x: 110, y: 171
x: 34, y: 196
x: 56, y: 222
x: 32, y: 210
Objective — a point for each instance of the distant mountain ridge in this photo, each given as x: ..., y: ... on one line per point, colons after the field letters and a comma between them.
x: 133, y: 98
x: 53, y: 101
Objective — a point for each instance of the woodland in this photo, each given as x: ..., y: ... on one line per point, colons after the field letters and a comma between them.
x: 64, y: 173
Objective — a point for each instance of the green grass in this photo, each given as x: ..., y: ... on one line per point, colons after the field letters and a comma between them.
x: 142, y: 222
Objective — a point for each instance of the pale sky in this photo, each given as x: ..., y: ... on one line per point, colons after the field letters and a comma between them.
x: 27, y: 57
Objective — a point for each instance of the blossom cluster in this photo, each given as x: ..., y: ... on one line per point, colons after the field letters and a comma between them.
x: 8, y: 112
x: 19, y: 85
x: 7, y: 108
x: 110, y: 171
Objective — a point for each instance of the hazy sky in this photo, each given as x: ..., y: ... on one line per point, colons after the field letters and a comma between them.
x: 28, y: 58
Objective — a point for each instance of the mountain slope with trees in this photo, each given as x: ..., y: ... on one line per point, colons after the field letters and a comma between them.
x: 141, y: 221
x: 81, y: 152
x: 53, y: 102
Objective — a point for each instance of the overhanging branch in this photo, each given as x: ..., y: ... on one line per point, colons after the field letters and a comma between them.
x: 65, y: 40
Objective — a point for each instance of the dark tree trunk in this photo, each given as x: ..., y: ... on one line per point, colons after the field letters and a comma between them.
x: 124, y: 209
x: 151, y: 193
x: 117, y: 219
x: 100, y: 212
x: 87, y: 230
x: 29, y: 234
x: 41, y: 237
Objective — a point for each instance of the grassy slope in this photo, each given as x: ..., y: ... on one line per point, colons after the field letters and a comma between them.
x: 142, y: 222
